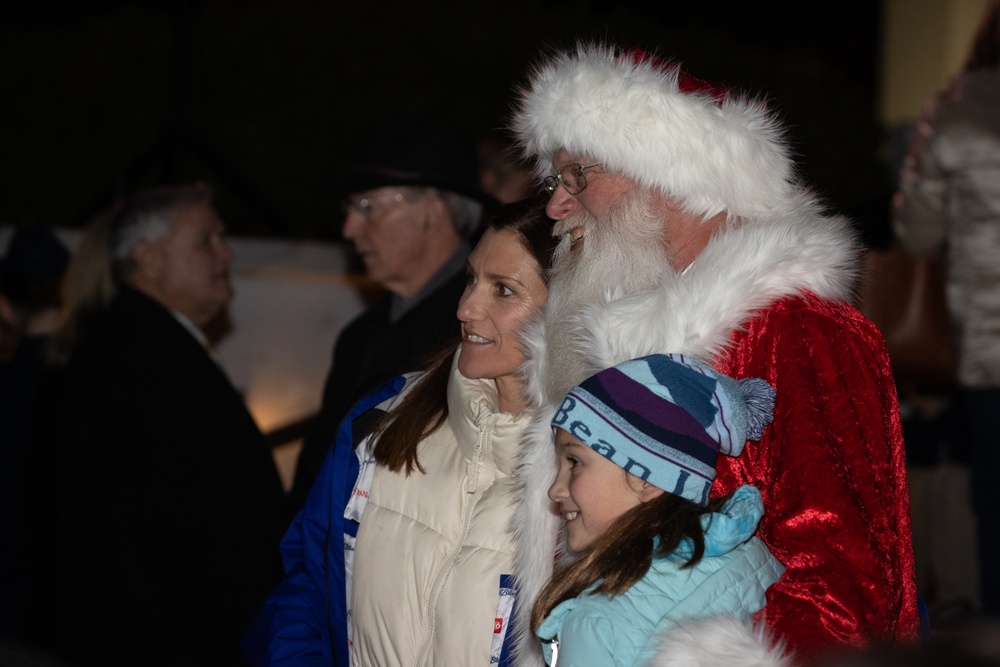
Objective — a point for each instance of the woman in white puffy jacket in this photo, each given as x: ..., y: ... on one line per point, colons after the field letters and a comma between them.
x: 421, y: 485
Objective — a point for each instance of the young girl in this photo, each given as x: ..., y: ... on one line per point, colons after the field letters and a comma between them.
x: 637, y: 445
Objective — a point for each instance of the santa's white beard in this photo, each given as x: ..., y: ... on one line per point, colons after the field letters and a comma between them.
x: 621, y: 254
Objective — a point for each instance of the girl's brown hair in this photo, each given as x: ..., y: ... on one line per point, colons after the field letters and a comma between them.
x: 622, y: 555
x: 425, y: 408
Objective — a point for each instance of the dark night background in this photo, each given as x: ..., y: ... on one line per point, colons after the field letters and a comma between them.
x: 263, y: 99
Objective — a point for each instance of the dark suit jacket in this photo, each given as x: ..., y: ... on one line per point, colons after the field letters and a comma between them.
x: 369, y: 351
x: 161, y: 504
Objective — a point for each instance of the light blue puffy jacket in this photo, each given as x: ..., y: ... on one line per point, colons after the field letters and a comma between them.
x: 597, y: 631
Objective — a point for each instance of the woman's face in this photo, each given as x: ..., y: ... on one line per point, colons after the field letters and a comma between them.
x: 505, y: 289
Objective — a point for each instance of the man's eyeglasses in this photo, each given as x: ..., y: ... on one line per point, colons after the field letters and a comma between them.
x: 363, y: 205
x: 572, y: 176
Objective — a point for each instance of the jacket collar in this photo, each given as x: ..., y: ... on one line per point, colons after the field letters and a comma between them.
x: 472, y: 408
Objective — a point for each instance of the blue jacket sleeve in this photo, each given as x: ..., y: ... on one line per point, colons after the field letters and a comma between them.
x: 291, y: 626
x: 304, y: 621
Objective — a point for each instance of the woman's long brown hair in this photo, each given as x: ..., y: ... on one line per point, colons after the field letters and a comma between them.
x: 425, y: 407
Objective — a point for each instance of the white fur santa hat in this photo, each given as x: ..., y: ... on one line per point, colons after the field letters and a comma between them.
x: 643, y: 117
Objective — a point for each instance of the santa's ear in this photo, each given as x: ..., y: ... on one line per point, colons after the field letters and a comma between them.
x: 667, y: 202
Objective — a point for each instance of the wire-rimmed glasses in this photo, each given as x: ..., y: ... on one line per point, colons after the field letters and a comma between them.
x: 572, y: 176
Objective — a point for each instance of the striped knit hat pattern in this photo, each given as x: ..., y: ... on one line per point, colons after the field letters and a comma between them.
x: 665, y: 418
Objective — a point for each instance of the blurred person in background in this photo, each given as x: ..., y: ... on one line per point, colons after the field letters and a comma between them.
x: 89, y: 286
x: 948, y: 206
x: 31, y: 278
x: 412, y: 209
x: 159, y: 507
x: 503, y: 172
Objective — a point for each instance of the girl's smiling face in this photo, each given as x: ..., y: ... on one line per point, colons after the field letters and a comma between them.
x: 592, y: 492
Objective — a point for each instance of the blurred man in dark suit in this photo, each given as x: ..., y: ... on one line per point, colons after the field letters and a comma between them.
x: 160, y: 505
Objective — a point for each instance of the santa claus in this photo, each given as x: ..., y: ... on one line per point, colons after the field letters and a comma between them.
x: 684, y: 230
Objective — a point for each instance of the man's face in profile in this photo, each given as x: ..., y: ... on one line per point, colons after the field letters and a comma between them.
x: 190, y: 266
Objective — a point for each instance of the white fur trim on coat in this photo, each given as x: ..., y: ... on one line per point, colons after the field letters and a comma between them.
x: 745, y: 267
x: 718, y: 641
x: 630, y: 115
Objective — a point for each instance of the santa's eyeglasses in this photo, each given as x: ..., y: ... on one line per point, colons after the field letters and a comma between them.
x: 572, y: 176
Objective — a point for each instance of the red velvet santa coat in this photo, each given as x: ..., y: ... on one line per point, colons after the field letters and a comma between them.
x: 831, y: 474
x: 769, y: 297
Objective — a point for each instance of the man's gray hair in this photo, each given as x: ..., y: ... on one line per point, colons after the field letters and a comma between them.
x: 148, y: 216
x: 466, y: 213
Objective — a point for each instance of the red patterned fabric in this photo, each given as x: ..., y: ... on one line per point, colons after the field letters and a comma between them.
x: 831, y: 470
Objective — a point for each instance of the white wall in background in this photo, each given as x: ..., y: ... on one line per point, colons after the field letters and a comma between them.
x: 292, y: 299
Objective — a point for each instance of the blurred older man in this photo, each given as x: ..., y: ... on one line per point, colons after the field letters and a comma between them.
x: 413, y: 204
x: 161, y: 505
x: 684, y: 230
